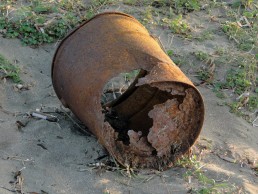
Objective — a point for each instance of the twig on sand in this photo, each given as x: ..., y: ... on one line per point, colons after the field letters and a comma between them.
x: 243, y: 22
x: 17, y: 158
x: 19, y: 179
x: 228, y: 159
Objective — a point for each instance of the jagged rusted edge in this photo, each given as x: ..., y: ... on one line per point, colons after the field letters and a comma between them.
x: 158, y: 163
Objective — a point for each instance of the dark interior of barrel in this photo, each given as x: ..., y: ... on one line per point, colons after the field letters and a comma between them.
x: 167, y: 115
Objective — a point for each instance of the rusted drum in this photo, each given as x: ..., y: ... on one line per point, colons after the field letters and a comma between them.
x: 161, y: 114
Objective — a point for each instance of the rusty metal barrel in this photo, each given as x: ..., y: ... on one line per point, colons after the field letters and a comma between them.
x: 156, y: 120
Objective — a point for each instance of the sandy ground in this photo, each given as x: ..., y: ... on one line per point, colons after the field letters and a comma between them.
x: 53, y: 157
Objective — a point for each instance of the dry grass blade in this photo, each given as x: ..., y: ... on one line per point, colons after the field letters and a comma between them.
x: 76, y: 123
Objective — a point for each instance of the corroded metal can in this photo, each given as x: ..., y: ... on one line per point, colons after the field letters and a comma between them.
x: 161, y: 114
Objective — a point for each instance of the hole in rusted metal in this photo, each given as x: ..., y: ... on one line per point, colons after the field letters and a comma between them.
x: 128, y: 106
x: 117, y: 85
x: 117, y: 89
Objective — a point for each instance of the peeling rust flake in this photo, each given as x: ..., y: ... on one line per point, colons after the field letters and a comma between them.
x: 159, y: 116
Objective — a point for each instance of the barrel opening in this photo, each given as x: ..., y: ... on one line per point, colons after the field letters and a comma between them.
x: 130, y: 110
x: 118, y: 85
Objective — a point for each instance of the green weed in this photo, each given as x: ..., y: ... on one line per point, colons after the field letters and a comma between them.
x: 187, y: 162
x: 7, y: 70
x: 253, y: 102
x: 237, y: 80
x: 194, y: 167
x: 242, y: 74
x: 242, y: 81
x: 131, y: 75
x: 37, y: 22
x: 244, y: 40
x: 243, y: 24
x: 235, y: 108
x: 148, y: 15
x: 204, y: 75
x: 202, y: 56
x: 255, y: 168
x: 216, y: 189
x: 170, y: 53
x: 179, y: 60
x: 206, y: 35
x: 131, y: 2
x: 179, y: 26
x: 220, y: 94
x: 244, y: 3
x: 180, y: 6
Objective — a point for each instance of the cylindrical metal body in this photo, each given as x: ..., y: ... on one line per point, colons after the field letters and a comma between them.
x: 162, y: 112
